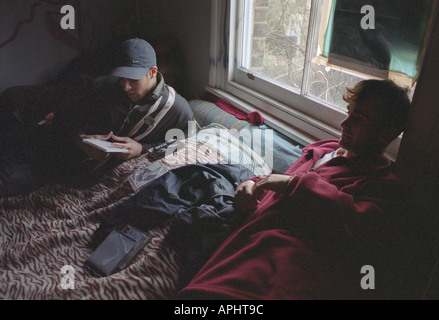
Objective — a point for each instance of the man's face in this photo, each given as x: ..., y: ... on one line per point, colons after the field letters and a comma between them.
x: 362, y: 130
x: 137, y: 89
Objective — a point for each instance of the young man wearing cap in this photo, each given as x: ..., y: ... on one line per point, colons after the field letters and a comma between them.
x: 155, y: 107
x: 135, y: 114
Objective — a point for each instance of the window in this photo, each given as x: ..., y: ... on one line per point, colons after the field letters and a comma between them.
x: 272, y: 55
x: 281, y: 44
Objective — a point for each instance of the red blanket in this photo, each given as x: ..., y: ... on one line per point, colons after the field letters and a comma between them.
x: 312, y: 242
x: 254, y: 117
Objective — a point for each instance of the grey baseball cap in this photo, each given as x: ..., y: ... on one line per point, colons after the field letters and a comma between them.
x: 136, y: 58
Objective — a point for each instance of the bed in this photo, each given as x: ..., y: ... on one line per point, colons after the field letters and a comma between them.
x: 52, y: 227
x: 45, y: 236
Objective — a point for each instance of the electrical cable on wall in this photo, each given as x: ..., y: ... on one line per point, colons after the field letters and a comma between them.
x: 52, y: 24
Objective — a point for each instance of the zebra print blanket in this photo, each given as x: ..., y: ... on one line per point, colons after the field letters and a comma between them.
x: 44, y: 240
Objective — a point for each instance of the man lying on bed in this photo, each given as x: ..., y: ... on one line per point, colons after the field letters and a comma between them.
x: 136, y: 123
x: 313, y: 229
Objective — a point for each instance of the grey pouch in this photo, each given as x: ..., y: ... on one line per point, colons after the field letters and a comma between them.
x: 116, y: 252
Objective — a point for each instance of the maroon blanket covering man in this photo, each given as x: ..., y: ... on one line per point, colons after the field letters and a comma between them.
x: 312, y: 230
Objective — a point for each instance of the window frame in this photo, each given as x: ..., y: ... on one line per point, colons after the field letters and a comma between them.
x: 300, y: 117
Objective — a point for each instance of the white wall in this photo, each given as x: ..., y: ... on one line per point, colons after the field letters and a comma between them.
x: 194, y: 27
x: 189, y: 21
x: 35, y: 55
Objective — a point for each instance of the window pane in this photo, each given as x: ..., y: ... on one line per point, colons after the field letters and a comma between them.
x: 329, y: 84
x: 278, y: 40
x: 275, y: 48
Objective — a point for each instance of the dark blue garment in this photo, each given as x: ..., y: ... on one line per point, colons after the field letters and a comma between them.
x: 192, y: 194
x: 17, y: 170
x: 197, y: 197
x: 32, y: 156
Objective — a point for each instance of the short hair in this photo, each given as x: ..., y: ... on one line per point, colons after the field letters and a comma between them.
x: 393, y: 98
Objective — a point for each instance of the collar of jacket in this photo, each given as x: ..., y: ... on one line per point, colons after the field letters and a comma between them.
x: 159, y: 91
x: 317, y: 150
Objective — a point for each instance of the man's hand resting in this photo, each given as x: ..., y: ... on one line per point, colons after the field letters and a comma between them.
x: 273, y: 182
x: 244, y: 198
x: 248, y: 193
